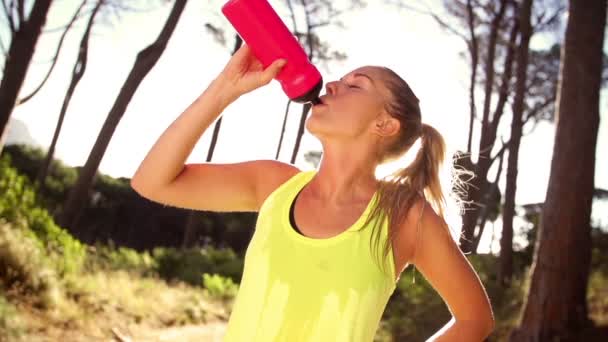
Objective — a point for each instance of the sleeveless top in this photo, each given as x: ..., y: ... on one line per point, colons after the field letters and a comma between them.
x: 297, y: 288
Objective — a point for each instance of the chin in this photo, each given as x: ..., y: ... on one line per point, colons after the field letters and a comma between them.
x: 315, y: 127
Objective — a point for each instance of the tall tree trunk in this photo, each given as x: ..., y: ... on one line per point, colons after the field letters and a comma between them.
x: 474, y: 49
x: 189, y: 237
x: 305, y: 109
x: 77, y: 72
x: 18, y: 58
x: 283, y: 129
x: 556, y: 306
x: 145, y: 61
x: 493, y: 200
x: 488, y: 136
x: 506, y: 239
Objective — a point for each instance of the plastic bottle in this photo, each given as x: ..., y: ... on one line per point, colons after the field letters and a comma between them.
x: 270, y: 39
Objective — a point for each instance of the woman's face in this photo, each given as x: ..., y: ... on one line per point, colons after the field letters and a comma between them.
x: 350, y: 106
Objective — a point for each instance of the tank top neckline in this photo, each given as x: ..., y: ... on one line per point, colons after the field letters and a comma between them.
x: 305, y: 178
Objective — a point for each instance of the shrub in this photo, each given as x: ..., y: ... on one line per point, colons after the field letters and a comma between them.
x: 190, y: 264
x: 108, y: 257
x: 10, y: 323
x: 219, y: 287
x: 24, y: 266
x: 19, y: 206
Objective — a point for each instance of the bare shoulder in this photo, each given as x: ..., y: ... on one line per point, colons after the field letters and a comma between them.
x: 418, y: 216
x: 273, y: 173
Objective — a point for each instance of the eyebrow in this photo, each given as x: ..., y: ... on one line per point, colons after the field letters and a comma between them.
x: 364, y: 75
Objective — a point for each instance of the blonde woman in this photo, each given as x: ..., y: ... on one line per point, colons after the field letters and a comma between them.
x: 329, y: 244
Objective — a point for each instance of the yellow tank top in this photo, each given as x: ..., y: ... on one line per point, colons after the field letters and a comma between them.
x: 296, y: 288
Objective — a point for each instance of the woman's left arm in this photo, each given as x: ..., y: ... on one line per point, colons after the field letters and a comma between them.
x: 441, y: 262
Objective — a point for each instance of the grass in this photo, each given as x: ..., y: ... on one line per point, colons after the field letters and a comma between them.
x: 94, y: 304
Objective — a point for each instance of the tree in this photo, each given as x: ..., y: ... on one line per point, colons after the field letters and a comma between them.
x: 317, y: 14
x: 490, y: 30
x: 556, y: 306
x: 191, y: 221
x: 64, y: 33
x: 24, y: 36
x: 506, y: 240
x: 77, y: 73
x: 145, y: 61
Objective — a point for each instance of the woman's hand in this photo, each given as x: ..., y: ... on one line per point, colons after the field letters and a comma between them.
x: 244, y: 72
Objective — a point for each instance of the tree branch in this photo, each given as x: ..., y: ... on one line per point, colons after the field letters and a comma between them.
x: 9, y: 17
x: 21, y: 11
x: 430, y: 13
x: 56, y: 57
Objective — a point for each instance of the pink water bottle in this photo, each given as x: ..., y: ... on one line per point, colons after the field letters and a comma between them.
x: 270, y: 39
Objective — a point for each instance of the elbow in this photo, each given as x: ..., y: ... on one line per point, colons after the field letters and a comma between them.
x: 489, y: 326
x: 134, y: 182
x: 137, y: 186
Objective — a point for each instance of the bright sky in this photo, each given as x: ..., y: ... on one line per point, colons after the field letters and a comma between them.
x: 411, y: 44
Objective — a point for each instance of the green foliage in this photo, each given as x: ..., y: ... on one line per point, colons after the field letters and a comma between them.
x: 24, y: 266
x: 19, y: 206
x: 28, y: 159
x: 415, y: 311
x: 108, y: 257
x: 187, y: 265
x: 190, y: 264
x: 10, y: 322
x: 219, y: 287
x: 113, y: 188
x: 17, y: 196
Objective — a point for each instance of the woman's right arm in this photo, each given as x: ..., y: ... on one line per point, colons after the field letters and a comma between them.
x: 163, y: 175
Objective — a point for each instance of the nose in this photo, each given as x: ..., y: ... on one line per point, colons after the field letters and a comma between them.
x: 330, y: 87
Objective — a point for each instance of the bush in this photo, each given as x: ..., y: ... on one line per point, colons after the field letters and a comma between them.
x: 108, y: 257
x: 190, y: 264
x: 19, y: 206
x: 415, y: 310
x: 28, y: 159
x: 219, y: 287
x: 10, y: 323
x: 24, y: 266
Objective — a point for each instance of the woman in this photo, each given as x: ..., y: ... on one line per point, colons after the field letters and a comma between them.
x: 313, y: 270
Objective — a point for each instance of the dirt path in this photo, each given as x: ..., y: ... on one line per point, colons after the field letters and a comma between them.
x: 212, y: 332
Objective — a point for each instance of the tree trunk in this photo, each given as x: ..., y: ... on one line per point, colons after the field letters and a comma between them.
x: 493, y: 201
x: 18, y: 58
x: 189, y: 237
x: 488, y: 135
x: 506, y: 239
x: 305, y: 109
x: 77, y: 72
x: 145, y: 61
x: 283, y: 130
x: 474, y: 49
x: 556, y: 305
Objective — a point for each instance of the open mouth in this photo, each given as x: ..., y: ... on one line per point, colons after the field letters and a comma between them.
x: 318, y: 102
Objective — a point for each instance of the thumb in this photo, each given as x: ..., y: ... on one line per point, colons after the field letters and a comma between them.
x: 273, y: 70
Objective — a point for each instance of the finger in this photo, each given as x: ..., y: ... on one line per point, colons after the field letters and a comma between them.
x: 242, y: 51
x: 273, y: 70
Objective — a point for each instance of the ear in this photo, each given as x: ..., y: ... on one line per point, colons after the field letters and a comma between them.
x: 386, y: 126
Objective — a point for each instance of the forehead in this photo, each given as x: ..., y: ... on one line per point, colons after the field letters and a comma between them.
x: 375, y: 73
x: 370, y: 71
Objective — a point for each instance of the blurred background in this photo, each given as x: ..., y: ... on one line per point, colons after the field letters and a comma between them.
x: 89, y: 85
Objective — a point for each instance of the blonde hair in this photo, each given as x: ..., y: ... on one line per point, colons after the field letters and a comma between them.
x: 398, y: 191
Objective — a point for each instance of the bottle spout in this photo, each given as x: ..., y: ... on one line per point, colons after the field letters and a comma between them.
x: 312, y: 95
x: 315, y: 101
